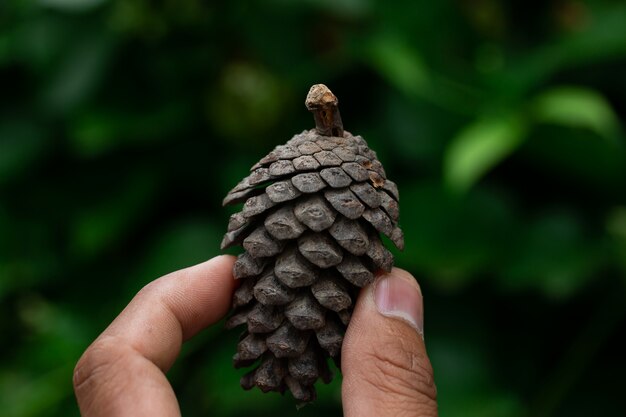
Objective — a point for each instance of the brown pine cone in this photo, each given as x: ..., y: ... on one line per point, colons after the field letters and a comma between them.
x: 313, y: 210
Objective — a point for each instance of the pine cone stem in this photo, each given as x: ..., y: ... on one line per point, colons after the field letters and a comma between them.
x: 323, y: 103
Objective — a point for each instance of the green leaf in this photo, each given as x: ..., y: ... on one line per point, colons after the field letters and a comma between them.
x: 5, y: 48
x: 466, y: 384
x: 577, y: 107
x: 343, y: 8
x: 600, y: 38
x: 180, y: 245
x: 453, y: 241
x: 97, y: 228
x: 616, y: 228
x: 22, y: 143
x: 78, y: 73
x: 400, y: 64
x: 72, y: 5
x: 554, y: 256
x: 479, y: 147
x: 96, y: 132
x: 23, y: 395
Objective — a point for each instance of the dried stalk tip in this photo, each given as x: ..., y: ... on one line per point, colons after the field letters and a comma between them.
x: 320, y: 96
x: 323, y: 103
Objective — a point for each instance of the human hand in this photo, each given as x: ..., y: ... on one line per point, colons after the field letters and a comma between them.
x: 385, y: 368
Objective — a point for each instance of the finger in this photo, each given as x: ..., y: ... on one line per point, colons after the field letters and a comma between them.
x: 122, y: 372
x: 386, y: 371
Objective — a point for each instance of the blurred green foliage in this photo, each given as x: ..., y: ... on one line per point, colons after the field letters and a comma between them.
x: 124, y: 122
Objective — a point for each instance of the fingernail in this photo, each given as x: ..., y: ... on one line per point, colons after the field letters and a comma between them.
x: 395, y: 296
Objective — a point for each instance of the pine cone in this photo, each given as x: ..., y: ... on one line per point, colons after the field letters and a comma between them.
x: 313, y: 210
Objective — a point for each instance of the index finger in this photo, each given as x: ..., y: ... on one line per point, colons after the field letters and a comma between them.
x: 125, y: 365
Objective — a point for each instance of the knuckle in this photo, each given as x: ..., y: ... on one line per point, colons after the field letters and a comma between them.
x: 96, y: 364
x: 149, y: 289
x: 101, y: 374
x: 400, y: 368
x: 159, y: 289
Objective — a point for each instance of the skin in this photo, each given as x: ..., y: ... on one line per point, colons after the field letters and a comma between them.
x: 386, y: 371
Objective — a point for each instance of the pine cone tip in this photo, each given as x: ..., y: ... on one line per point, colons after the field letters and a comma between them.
x: 314, y: 209
x: 323, y: 103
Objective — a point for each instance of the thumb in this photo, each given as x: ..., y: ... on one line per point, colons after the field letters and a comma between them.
x: 386, y: 371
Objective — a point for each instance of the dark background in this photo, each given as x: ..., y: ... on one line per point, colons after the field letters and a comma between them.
x: 124, y: 122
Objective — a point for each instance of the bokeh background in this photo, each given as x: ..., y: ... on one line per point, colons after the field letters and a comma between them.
x: 124, y: 122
